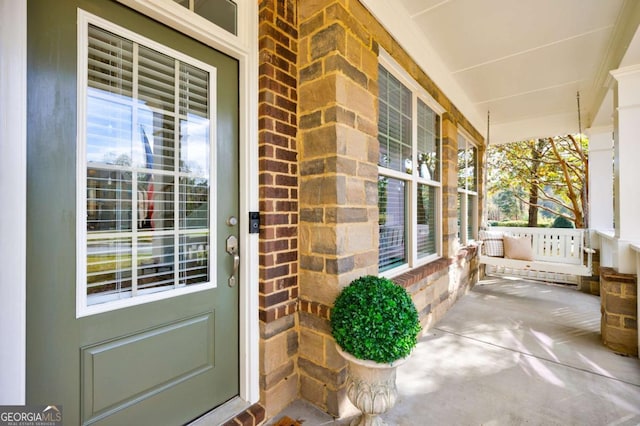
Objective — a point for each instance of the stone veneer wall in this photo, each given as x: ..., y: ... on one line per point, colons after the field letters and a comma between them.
x: 318, y: 155
x: 619, y: 324
x: 338, y: 182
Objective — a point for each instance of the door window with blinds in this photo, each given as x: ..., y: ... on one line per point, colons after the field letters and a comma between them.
x: 145, y: 157
x: 467, y: 189
x: 409, y: 185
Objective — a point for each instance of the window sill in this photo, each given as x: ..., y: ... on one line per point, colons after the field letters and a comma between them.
x: 415, y: 275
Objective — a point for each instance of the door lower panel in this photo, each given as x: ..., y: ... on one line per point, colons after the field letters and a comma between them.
x: 125, y: 371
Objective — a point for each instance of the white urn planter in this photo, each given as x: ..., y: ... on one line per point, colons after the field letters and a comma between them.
x: 371, y: 387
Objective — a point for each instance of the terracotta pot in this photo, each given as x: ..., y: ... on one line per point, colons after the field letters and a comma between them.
x: 371, y: 387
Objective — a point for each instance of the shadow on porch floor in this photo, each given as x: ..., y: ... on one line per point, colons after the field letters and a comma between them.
x: 511, y: 352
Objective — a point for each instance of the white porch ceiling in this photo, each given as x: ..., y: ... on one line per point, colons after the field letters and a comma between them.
x: 522, y: 60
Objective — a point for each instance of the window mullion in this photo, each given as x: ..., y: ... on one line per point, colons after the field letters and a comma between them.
x: 134, y: 178
x: 176, y: 179
x: 413, y: 187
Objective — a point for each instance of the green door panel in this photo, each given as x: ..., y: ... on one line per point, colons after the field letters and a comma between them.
x: 157, y: 359
x: 163, y: 362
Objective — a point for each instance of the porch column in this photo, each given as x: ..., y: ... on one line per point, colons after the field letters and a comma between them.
x: 338, y: 154
x: 451, y: 244
x: 626, y: 170
x: 600, y: 178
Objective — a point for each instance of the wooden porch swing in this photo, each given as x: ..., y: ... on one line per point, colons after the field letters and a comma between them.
x: 547, y: 254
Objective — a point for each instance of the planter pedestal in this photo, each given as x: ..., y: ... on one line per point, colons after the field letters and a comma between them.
x: 371, y: 387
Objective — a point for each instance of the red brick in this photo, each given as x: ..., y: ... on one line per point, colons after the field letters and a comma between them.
x: 285, y: 129
x: 286, y: 257
x: 275, y: 139
x: 286, y: 155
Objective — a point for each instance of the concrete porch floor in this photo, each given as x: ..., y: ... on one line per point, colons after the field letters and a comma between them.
x: 510, y: 352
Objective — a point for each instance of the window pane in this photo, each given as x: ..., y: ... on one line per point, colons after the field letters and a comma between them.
x: 108, y: 129
x: 142, y: 191
x: 155, y: 262
x: 154, y: 146
x: 110, y: 63
x: 460, y: 216
x: 462, y: 162
x: 194, y: 258
x: 194, y: 203
x: 156, y: 80
x: 108, y: 269
x: 394, y: 127
x: 427, y: 209
x: 108, y: 200
x: 472, y: 163
x: 392, y: 222
x: 159, y: 210
x: 471, y: 216
x: 428, y: 142
x: 221, y: 12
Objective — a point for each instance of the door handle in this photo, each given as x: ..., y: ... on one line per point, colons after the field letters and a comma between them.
x: 236, y: 264
x: 232, y: 249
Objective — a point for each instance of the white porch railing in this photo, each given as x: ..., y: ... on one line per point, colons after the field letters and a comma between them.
x: 605, y: 241
x: 559, y: 255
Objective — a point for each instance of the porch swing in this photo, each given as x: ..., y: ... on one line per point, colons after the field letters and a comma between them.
x: 546, y: 254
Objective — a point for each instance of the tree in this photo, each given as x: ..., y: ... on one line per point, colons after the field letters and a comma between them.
x: 508, y: 203
x: 553, y: 172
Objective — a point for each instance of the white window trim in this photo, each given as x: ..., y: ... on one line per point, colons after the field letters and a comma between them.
x: 244, y: 48
x: 134, y: 296
x: 463, y: 239
x: 413, y: 180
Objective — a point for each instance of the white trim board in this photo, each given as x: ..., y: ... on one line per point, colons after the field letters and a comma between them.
x: 13, y: 193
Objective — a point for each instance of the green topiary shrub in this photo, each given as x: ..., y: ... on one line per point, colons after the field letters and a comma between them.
x: 375, y: 319
x: 562, y: 222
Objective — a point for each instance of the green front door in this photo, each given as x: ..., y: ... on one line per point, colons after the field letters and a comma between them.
x: 132, y: 301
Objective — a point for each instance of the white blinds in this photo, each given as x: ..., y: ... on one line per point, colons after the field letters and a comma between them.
x: 110, y: 62
x: 392, y: 212
x: 148, y: 170
x: 394, y: 123
x: 427, y: 220
x: 428, y: 140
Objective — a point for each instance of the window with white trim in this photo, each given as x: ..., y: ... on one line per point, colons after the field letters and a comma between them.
x: 409, y: 184
x: 145, y: 155
x: 467, y: 190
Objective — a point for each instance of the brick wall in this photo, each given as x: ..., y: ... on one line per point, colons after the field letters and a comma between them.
x: 278, y: 180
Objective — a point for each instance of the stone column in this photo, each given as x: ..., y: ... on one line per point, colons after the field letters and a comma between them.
x: 449, y: 186
x: 338, y: 154
x: 626, y: 170
x: 619, y: 324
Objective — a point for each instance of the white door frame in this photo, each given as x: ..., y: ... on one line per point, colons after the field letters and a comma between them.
x: 13, y: 195
x: 13, y: 179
